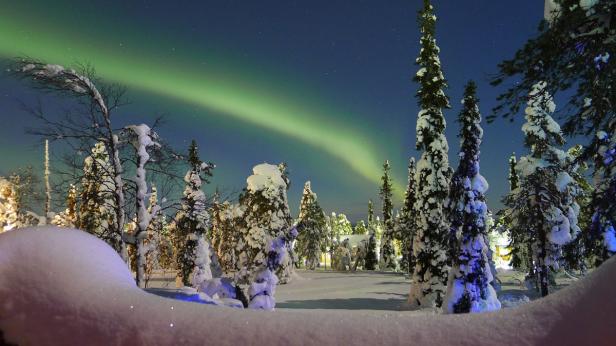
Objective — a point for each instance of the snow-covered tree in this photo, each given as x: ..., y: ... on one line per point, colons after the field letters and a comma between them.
x: 47, y: 184
x: 406, y: 225
x: 370, y: 212
x: 340, y: 225
x: 312, y: 228
x: 371, y: 261
x: 143, y: 139
x: 602, y: 235
x: 9, y: 207
x: 192, y: 220
x: 266, y: 217
x: 152, y: 241
x: 521, y: 256
x: 388, y: 253
x: 429, y: 277
x: 543, y: 207
x: 68, y: 218
x: 360, y: 228
x: 469, y: 288
x: 571, y: 52
x: 97, y: 209
x: 227, y: 221
x: 263, y: 285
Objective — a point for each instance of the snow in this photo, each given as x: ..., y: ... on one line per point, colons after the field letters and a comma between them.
x: 563, y: 179
x: 609, y: 239
x: 266, y: 178
x: 513, y: 302
x: 48, y: 295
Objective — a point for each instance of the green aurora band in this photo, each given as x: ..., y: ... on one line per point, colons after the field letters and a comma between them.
x: 209, y: 90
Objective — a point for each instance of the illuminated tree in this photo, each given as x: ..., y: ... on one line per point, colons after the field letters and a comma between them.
x: 469, y: 288
x: 312, y: 224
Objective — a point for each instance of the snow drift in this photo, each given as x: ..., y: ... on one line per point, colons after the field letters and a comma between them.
x: 66, y: 287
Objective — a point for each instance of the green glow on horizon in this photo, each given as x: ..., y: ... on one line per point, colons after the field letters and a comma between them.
x: 213, y: 91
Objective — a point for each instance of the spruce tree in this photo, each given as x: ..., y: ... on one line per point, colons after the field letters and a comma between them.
x: 370, y: 212
x: 429, y: 277
x: 388, y: 254
x: 192, y: 220
x: 469, y: 288
x: 407, y: 226
x: 543, y: 208
x: 312, y: 225
x: 266, y: 217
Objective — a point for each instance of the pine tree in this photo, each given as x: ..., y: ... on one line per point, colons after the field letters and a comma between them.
x: 192, y: 220
x: 469, y: 288
x: 388, y: 254
x: 267, y: 217
x: 97, y: 210
x: 312, y: 224
x: 543, y: 208
x: 429, y: 278
x: 408, y: 217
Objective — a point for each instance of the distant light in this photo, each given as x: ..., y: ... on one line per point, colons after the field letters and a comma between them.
x: 171, y: 325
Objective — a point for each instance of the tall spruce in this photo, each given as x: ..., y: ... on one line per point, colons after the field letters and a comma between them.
x: 429, y: 277
x: 388, y: 253
x: 370, y: 212
x: 192, y: 220
x: 543, y: 208
x: 408, y: 216
x: 312, y: 225
x: 469, y: 288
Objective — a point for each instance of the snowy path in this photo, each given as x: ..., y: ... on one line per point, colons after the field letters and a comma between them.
x: 342, y: 290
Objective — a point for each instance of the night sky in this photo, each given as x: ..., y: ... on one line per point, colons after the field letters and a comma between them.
x: 322, y: 85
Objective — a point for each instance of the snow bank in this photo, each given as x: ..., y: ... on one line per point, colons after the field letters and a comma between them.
x: 65, y: 287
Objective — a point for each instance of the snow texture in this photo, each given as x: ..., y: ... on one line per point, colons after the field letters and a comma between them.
x: 48, y: 297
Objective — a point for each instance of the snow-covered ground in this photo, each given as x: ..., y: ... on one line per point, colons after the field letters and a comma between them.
x: 362, y: 290
x: 65, y: 287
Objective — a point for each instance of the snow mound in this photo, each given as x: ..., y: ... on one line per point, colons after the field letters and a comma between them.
x: 65, y: 287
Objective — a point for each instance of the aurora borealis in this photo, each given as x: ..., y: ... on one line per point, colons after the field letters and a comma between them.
x: 324, y: 86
